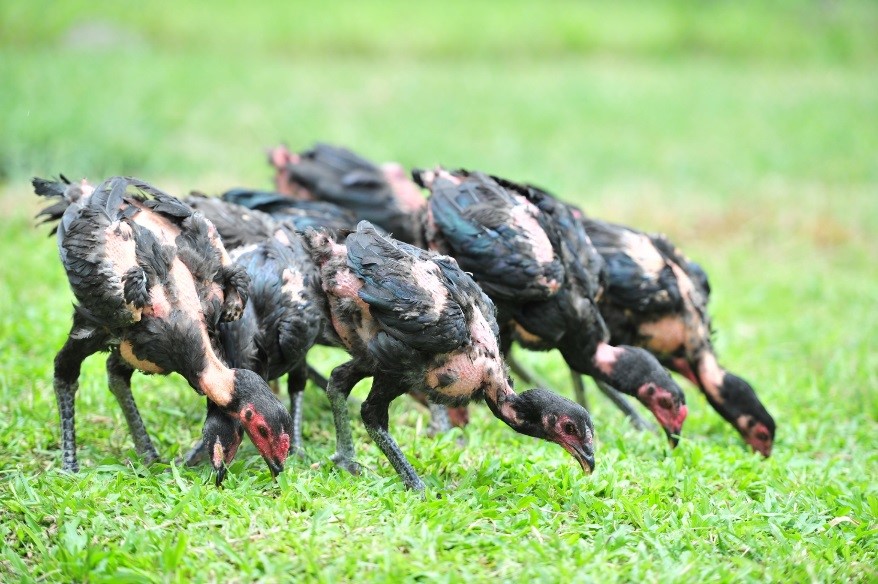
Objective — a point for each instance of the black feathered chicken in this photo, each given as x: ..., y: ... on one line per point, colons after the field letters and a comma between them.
x: 152, y: 283
x: 384, y: 196
x: 528, y: 252
x: 280, y: 324
x: 656, y: 298
x: 412, y: 319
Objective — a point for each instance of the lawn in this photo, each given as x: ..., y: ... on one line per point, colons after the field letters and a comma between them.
x: 747, y: 133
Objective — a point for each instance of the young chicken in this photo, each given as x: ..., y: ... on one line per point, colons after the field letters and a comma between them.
x: 656, y: 298
x: 412, y: 319
x: 152, y: 283
x: 385, y: 195
x: 534, y: 259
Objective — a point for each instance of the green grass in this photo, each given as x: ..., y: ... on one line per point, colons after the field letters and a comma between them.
x: 745, y: 131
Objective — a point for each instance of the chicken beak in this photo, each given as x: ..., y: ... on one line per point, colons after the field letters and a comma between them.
x: 583, y: 457
x: 673, y: 436
x: 275, y: 466
x: 220, y: 475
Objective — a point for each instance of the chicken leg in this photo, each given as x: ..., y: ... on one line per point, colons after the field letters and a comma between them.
x: 119, y: 381
x: 296, y: 380
x: 68, y: 363
x: 375, y: 417
x: 341, y: 381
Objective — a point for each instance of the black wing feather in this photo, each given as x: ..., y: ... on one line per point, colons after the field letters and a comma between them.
x: 404, y: 310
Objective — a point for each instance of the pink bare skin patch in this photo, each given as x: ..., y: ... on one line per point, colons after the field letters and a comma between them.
x: 217, y: 381
x: 407, y: 194
x: 347, y: 285
x: 186, y: 296
x: 571, y: 443
x: 472, y: 365
x: 126, y: 351
x: 339, y: 284
x: 643, y: 251
x: 525, y: 217
x: 428, y: 177
x: 341, y: 296
x: 217, y: 243
x: 711, y: 376
x: 661, y: 403
x: 119, y: 247
x: 273, y: 448
x: 279, y: 157
x: 525, y: 337
x: 160, y: 306
x: 757, y: 435
x: 466, y: 370
x: 426, y: 276
x: 697, y: 333
x: 605, y: 357
x: 120, y: 254
x: 685, y: 329
x: 281, y: 236
x: 218, y: 457
x: 86, y: 188
x: 664, y: 336
x: 162, y: 227
x: 681, y: 366
x: 509, y: 413
x: 293, y: 285
x: 482, y: 335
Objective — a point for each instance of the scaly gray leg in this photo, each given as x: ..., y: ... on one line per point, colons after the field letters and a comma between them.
x: 316, y: 378
x: 578, y: 389
x: 296, y: 380
x: 68, y: 362
x: 65, y: 395
x: 341, y: 382
x: 119, y: 379
x: 439, y: 420
x: 375, y: 417
x: 620, y: 402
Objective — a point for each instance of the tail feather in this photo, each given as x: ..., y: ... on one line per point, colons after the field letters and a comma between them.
x: 64, y: 191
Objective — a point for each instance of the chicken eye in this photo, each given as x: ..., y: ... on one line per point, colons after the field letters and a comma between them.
x: 570, y: 428
x: 263, y: 431
x: 665, y: 403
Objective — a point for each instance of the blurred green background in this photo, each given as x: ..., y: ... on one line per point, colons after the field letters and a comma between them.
x: 747, y: 131
x: 576, y: 95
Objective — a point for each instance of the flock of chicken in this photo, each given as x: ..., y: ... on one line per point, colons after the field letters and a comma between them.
x: 426, y: 295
